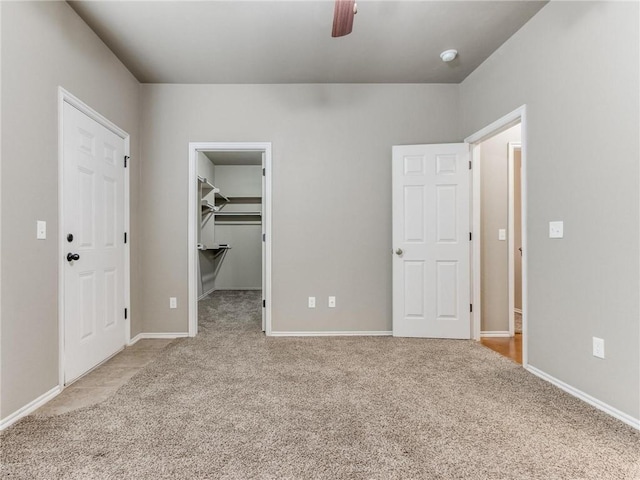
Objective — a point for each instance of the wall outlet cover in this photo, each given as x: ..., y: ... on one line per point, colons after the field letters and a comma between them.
x: 173, y: 302
x: 598, y: 347
x: 502, y: 234
x: 556, y: 229
x: 332, y: 302
x: 41, y: 229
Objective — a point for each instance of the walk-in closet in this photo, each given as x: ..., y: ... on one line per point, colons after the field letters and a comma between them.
x: 230, y: 229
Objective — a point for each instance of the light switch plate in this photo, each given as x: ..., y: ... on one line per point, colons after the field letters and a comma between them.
x: 173, y: 302
x: 332, y: 302
x: 502, y: 234
x: 556, y: 229
x: 312, y: 302
x: 41, y: 230
x: 598, y: 347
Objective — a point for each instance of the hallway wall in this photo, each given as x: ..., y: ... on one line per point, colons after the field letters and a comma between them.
x: 575, y: 65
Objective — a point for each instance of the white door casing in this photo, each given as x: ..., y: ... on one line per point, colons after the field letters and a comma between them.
x: 431, y: 265
x: 194, y: 148
x: 93, y: 211
x: 515, y: 258
x: 263, y: 227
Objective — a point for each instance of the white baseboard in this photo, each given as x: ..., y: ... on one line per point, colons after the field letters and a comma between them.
x: 600, y: 405
x: 29, y: 407
x: 496, y: 333
x: 364, y: 333
x: 169, y: 335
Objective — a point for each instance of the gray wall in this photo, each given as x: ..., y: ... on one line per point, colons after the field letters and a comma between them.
x: 494, y: 215
x: 239, y: 180
x: 241, y: 268
x: 331, y: 184
x: 45, y: 45
x: 575, y: 65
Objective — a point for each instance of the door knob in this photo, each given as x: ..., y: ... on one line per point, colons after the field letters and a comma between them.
x: 399, y: 251
x: 72, y: 256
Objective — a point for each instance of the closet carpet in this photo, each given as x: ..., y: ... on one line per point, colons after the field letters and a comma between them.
x: 234, y: 404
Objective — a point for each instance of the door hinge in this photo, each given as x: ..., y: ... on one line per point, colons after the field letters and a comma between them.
x: 125, y: 313
x: 264, y: 304
x: 470, y: 236
x: 126, y: 158
x: 469, y: 164
x: 264, y: 172
x: 125, y: 237
x: 264, y: 237
x: 471, y: 307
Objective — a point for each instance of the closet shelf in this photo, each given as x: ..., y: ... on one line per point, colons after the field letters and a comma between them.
x: 208, y: 187
x: 219, y: 195
x: 239, y: 214
x: 215, y: 246
x: 245, y: 199
x: 208, y: 207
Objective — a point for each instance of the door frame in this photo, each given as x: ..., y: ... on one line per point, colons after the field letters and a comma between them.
x: 512, y: 148
x: 517, y: 116
x: 65, y: 96
x: 194, y: 148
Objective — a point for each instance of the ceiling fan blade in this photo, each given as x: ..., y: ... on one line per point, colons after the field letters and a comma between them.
x: 343, y: 18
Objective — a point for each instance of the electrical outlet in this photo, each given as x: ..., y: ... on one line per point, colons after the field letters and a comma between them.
x: 312, y: 302
x: 173, y: 302
x: 41, y: 229
x: 332, y: 302
x: 556, y: 229
x: 598, y: 347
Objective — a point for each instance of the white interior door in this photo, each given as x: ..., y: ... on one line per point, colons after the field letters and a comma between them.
x: 93, y: 231
x: 431, y: 267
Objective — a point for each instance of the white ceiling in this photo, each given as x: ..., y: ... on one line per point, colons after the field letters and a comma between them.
x: 290, y: 41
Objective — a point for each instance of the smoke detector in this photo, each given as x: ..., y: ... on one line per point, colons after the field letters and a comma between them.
x: 448, y: 55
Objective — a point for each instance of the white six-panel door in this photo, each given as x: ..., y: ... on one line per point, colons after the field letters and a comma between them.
x: 93, y: 213
x: 431, y: 267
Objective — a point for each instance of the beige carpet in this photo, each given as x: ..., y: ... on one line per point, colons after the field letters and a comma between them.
x: 234, y: 404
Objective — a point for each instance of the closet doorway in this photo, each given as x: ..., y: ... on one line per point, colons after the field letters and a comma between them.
x: 229, y: 222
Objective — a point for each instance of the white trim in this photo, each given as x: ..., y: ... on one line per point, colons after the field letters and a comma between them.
x: 29, y: 407
x: 127, y: 246
x: 143, y: 336
x: 194, y: 147
x: 476, y: 244
x: 65, y: 97
x: 496, y: 333
x: 382, y: 333
x: 499, y: 126
x: 511, y: 215
x: 192, y: 239
x: 519, y: 115
x: 600, y: 405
